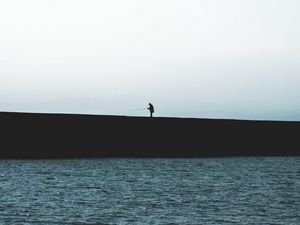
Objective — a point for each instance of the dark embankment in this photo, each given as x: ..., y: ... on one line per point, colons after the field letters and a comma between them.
x: 31, y: 135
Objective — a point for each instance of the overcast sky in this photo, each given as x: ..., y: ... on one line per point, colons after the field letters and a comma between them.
x: 190, y: 58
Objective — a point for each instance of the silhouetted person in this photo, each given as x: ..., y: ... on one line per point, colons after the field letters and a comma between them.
x: 151, y: 109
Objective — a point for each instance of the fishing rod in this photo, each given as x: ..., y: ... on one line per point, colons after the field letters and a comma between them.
x: 139, y: 109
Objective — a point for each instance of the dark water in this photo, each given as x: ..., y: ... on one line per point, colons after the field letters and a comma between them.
x: 151, y: 191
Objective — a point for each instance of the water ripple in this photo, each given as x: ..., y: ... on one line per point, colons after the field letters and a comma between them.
x: 246, y: 190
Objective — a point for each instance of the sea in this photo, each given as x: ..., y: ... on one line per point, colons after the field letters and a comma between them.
x: 239, y: 190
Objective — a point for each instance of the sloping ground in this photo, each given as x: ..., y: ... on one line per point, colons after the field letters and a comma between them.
x: 33, y: 135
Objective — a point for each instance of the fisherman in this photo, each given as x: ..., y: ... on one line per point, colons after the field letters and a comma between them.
x: 151, y: 109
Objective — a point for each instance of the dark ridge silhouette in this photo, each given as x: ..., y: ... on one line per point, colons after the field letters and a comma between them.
x: 37, y: 136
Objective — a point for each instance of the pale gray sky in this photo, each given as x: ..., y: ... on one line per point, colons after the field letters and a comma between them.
x: 191, y: 58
